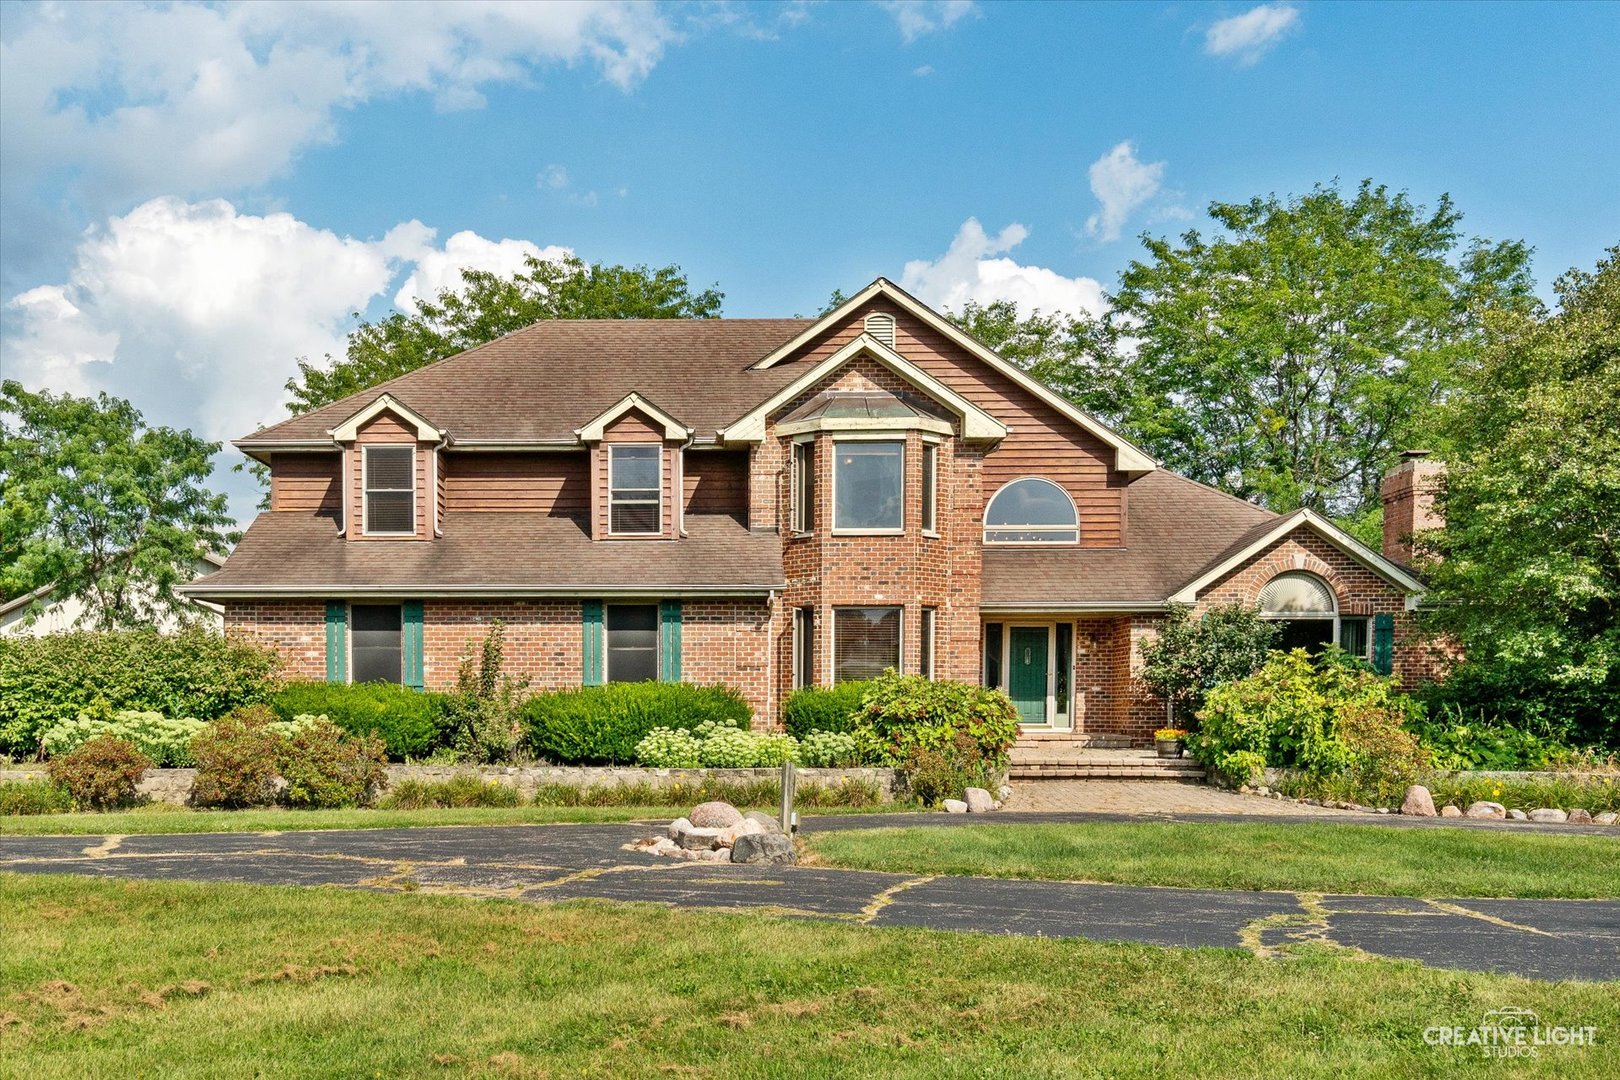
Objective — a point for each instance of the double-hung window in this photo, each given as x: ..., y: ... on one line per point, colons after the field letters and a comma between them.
x: 390, y: 490
x: 804, y: 486
x: 635, y: 490
x: 869, y: 486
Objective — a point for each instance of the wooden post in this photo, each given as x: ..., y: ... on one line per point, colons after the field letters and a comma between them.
x: 790, y: 780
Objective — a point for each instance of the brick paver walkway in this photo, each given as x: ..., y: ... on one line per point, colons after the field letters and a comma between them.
x: 1151, y: 797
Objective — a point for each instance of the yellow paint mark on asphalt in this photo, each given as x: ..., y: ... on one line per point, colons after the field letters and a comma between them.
x: 108, y: 845
x: 886, y: 897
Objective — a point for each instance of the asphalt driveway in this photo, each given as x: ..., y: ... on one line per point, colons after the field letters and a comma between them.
x: 1546, y: 939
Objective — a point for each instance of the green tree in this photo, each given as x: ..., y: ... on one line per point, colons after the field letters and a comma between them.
x: 103, y: 507
x: 1525, y: 576
x: 489, y: 306
x: 1190, y: 657
x: 1288, y: 358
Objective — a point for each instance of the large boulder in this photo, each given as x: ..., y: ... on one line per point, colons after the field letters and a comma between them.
x: 715, y: 815
x: 1450, y: 811
x: 979, y: 801
x: 1608, y: 817
x: 1548, y: 814
x: 954, y: 806
x: 763, y: 847
x: 695, y: 839
x: 676, y: 827
x: 1579, y: 816
x: 1518, y: 815
x: 764, y: 821
x: 1418, y: 802
x: 1486, y: 810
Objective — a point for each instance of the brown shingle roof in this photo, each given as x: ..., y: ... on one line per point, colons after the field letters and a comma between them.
x: 1176, y: 527
x: 512, y: 553
x: 546, y: 380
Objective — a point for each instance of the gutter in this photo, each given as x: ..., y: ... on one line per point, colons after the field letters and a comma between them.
x: 201, y: 590
x: 1118, y: 607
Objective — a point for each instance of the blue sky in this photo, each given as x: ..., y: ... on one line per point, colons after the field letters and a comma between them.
x: 192, y: 196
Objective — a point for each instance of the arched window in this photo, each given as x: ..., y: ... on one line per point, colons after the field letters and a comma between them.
x: 1307, y: 615
x: 1032, y: 510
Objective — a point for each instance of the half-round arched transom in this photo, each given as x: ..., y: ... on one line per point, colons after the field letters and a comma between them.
x: 1031, y: 510
x: 1297, y: 593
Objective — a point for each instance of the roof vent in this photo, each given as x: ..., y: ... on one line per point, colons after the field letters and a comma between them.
x: 880, y: 324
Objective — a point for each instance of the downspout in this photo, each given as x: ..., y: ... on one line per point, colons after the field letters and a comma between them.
x: 680, y: 482
x: 770, y: 658
x: 344, y: 466
x: 438, y: 530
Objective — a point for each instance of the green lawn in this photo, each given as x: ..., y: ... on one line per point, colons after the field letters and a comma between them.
x: 104, y: 978
x: 1313, y: 858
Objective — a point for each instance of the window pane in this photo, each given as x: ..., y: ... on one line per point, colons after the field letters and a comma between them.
x: 930, y: 462
x: 389, y: 512
x: 635, y: 467
x: 1030, y: 502
x: 1353, y: 636
x: 865, y: 642
x: 374, y: 647
x: 926, y: 666
x: 804, y: 642
x: 634, y: 517
x: 1308, y: 634
x: 1062, y: 663
x: 390, y: 467
x: 632, y: 643
x: 804, y: 494
x: 1296, y: 593
x: 1032, y: 536
x: 992, y: 655
x: 869, y: 485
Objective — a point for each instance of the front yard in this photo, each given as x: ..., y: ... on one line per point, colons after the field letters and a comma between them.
x: 1431, y: 861
x: 218, y: 981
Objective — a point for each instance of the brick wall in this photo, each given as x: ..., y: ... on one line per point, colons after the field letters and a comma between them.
x: 294, y: 629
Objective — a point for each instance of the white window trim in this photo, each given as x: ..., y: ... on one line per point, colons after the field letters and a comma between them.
x: 1336, y: 616
x: 658, y: 529
x: 832, y: 638
x: 833, y: 492
x: 989, y: 528
x: 930, y: 515
x: 800, y: 527
x: 365, y: 487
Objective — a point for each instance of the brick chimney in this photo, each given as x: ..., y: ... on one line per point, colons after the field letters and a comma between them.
x: 1408, y: 493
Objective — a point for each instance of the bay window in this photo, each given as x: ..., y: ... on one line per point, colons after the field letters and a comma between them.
x: 869, y: 487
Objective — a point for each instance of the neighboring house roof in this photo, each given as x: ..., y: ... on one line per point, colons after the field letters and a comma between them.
x: 15, y: 610
x: 1175, y: 527
x: 495, y: 554
x: 540, y: 384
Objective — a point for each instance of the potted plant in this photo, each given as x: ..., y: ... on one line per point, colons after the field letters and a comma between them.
x: 1170, y: 741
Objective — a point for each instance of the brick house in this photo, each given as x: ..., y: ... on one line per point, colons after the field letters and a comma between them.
x: 770, y: 503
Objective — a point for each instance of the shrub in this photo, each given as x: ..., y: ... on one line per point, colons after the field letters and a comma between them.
x: 773, y: 749
x: 1324, y: 716
x: 237, y: 759
x: 829, y: 750
x: 1190, y: 657
x: 44, y: 680
x: 823, y: 708
x: 102, y: 773
x: 601, y: 725
x: 409, y: 722
x: 758, y: 794
x: 935, y: 774
x: 324, y: 766
x: 34, y: 797
x: 668, y: 748
x: 461, y: 790
x: 484, y: 715
x: 902, y: 712
x: 166, y: 740
x: 726, y: 747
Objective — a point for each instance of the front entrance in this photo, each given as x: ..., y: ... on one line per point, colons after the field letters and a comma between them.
x: 1028, y: 665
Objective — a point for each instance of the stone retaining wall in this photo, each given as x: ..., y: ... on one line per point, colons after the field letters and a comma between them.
x: 1274, y: 775
x: 174, y: 785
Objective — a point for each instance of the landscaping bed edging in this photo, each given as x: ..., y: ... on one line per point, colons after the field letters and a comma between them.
x: 174, y: 785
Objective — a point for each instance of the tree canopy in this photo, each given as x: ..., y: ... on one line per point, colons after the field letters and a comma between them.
x: 103, y: 507
x: 1525, y: 575
x: 489, y: 305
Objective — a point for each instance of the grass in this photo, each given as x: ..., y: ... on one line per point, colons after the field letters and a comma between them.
x: 104, y: 978
x: 1387, y: 860
x: 166, y: 818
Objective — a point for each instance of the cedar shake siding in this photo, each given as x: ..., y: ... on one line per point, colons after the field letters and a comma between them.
x: 511, y: 445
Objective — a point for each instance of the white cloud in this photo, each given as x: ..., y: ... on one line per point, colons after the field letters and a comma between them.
x: 1121, y: 183
x: 552, y: 176
x: 1249, y: 36
x: 916, y: 18
x: 438, y: 269
x: 922, y: 71
x: 197, y: 312
x: 123, y: 102
x: 969, y: 271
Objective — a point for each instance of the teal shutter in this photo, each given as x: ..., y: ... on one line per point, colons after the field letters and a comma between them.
x: 591, y: 617
x: 669, y: 641
x: 411, y: 610
x: 1383, y: 651
x: 337, y: 645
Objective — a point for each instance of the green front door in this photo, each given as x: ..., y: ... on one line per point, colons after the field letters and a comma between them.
x: 1026, y: 672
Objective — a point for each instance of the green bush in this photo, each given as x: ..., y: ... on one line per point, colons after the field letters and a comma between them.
x: 461, y: 790
x: 1190, y: 657
x: 1324, y: 716
x: 716, y: 745
x: 237, y: 759
x: 757, y: 794
x: 933, y: 774
x: 409, y: 722
x: 823, y: 708
x: 45, y: 680
x: 1457, y: 739
x: 829, y: 750
x: 668, y: 748
x: 324, y: 766
x: 34, y: 797
x: 904, y: 712
x: 601, y: 725
x: 483, y: 716
x: 166, y: 740
x: 102, y: 774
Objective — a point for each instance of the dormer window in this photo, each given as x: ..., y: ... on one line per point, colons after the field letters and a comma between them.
x: 390, y: 490
x: 635, y: 490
